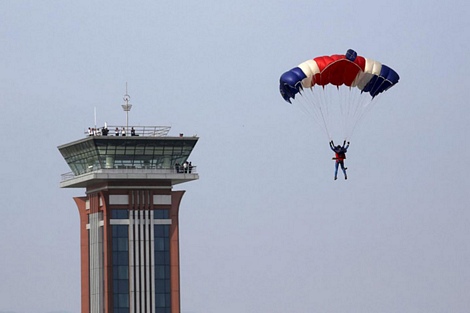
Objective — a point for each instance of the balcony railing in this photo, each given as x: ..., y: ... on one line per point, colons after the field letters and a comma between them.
x: 132, y: 170
x: 113, y: 130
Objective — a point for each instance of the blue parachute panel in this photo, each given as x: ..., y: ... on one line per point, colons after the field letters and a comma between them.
x: 387, y: 78
x: 290, y: 83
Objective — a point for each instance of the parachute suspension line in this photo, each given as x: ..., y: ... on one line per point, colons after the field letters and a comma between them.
x: 351, y: 104
x: 312, y: 105
x: 368, y: 105
x: 348, y: 100
x: 345, y: 95
x: 325, y: 124
x: 308, y: 107
x: 362, y: 107
x: 322, y: 106
x: 334, y: 100
x: 337, y: 110
x: 325, y: 104
x: 356, y: 121
x: 304, y: 105
x: 354, y: 108
x: 334, y: 103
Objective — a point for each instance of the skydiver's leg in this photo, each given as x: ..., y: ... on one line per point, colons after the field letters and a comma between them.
x: 336, y: 170
x: 344, y: 170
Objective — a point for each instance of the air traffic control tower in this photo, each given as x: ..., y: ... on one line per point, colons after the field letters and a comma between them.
x: 129, y: 216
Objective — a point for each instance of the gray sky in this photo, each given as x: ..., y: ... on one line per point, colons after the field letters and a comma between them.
x: 266, y: 228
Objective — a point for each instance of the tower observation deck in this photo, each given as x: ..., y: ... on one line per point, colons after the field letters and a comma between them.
x: 129, y: 216
x: 148, y: 154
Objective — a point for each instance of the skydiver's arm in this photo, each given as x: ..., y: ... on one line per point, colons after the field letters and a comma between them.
x: 346, y: 148
x: 332, y: 145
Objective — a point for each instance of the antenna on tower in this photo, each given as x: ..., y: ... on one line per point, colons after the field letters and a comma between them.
x: 127, y: 107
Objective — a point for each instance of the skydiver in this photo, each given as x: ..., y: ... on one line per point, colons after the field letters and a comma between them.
x: 340, y: 155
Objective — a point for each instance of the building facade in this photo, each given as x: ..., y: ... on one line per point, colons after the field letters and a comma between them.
x: 129, y: 218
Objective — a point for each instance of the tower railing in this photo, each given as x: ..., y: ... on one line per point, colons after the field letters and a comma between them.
x: 133, y: 170
x: 116, y: 130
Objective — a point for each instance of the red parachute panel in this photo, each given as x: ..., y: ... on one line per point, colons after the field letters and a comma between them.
x: 337, y: 70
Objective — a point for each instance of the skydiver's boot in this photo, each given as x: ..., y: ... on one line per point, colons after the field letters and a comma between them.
x: 336, y: 178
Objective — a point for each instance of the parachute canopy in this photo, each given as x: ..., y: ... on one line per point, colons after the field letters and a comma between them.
x: 350, y: 70
x: 337, y: 90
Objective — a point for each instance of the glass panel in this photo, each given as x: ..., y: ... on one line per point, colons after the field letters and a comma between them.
x: 123, y: 286
x: 123, y: 300
x: 123, y: 231
x: 120, y: 214
x: 159, y: 231
x: 159, y: 244
x: 122, y: 272
x: 161, y: 214
x: 159, y: 272
x: 123, y: 244
x: 160, y: 257
x: 160, y: 285
x: 160, y: 300
x: 122, y: 258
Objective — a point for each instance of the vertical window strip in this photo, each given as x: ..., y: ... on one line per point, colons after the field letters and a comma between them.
x: 96, y: 262
x: 141, y: 260
x: 147, y: 260
x: 162, y: 289
x: 131, y: 262
x: 121, y: 268
x: 152, y: 259
x: 137, y: 261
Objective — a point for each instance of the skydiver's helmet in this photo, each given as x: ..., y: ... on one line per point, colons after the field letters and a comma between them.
x: 338, y: 147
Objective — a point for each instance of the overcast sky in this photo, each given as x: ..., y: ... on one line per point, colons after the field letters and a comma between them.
x: 265, y: 228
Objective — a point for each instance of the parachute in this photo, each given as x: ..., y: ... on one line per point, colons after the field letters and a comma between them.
x: 337, y: 90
